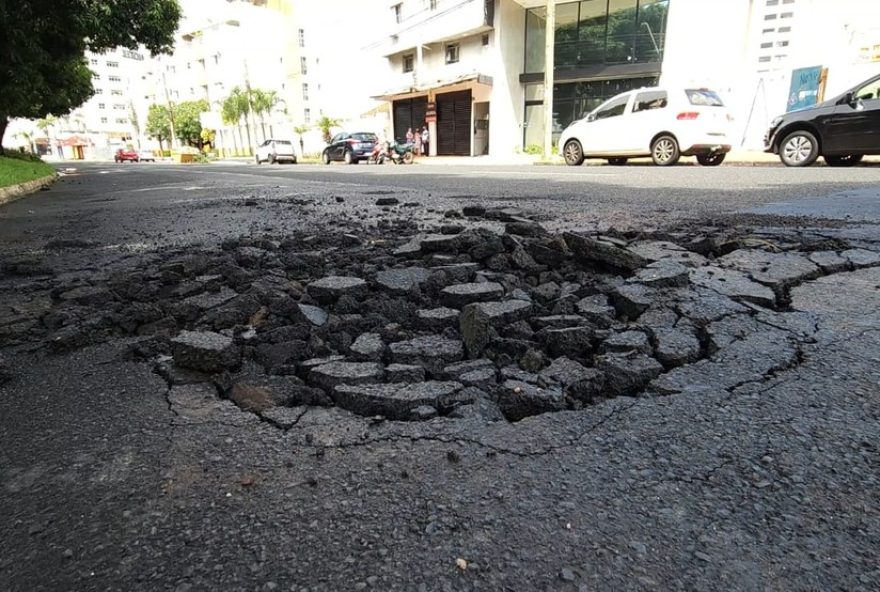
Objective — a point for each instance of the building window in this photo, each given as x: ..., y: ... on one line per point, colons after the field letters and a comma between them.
x: 772, y: 2
x: 767, y: 31
x: 764, y: 59
x: 94, y: 62
x: 305, y: 91
x: 303, y: 65
x: 788, y: 1
x: 396, y: 9
x: 116, y: 92
x: 766, y: 45
x: 114, y: 79
x: 408, y: 63
x: 770, y: 17
x: 302, y: 37
x: 102, y: 106
x: 119, y: 106
x: 485, y: 40
x: 216, y: 59
x: 112, y: 64
x: 307, y: 116
x: 99, y: 91
x: 432, y: 4
x: 121, y: 120
x: 785, y: 29
x: 782, y: 44
x: 786, y: 15
x: 96, y: 76
x: 452, y: 53
x: 103, y: 120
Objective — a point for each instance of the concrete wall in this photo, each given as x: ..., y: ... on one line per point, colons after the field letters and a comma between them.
x: 506, y: 108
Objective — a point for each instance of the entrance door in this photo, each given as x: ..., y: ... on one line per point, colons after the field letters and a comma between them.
x: 454, y: 124
x: 481, y: 128
x: 409, y: 114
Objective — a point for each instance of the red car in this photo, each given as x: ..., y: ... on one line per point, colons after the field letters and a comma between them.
x: 123, y: 155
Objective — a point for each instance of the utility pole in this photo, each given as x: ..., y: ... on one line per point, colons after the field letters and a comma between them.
x: 247, y: 89
x: 549, y: 66
x: 170, y: 111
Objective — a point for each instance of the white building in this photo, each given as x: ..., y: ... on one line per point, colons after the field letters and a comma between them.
x: 473, y: 70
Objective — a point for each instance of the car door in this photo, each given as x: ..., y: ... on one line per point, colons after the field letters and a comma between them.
x: 600, y: 136
x: 338, y: 146
x: 855, y: 125
x: 262, y: 152
x: 645, y: 119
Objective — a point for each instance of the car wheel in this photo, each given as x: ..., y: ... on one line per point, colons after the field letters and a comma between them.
x: 293, y: 161
x: 272, y: 159
x: 325, y: 157
x: 257, y: 158
x: 617, y: 161
x: 799, y: 149
x: 347, y: 158
x: 665, y: 151
x: 408, y: 158
x: 711, y: 159
x: 573, y: 153
x: 847, y: 160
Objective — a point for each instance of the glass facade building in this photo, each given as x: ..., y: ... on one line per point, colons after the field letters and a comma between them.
x: 602, y: 48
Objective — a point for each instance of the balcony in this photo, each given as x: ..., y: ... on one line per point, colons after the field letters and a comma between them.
x: 433, y: 77
x: 451, y: 19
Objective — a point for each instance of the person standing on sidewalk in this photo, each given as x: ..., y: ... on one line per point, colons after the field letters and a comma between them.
x: 409, y: 135
x: 417, y: 143
x: 425, y: 143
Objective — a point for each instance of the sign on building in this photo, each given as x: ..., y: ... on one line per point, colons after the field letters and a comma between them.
x: 807, y: 87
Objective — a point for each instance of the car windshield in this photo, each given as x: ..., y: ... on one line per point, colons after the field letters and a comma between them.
x: 704, y: 98
x: 364, y: 137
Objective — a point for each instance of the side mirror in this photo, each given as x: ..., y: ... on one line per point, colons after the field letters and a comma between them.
x: 591, y: 117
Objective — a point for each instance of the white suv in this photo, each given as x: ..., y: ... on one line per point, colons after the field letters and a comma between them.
x: 273, y: 151
x: 664, y: 124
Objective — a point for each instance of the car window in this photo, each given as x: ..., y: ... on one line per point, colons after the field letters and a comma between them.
x: 612, y: 108
x: 336, y: 138
x: 700, y: 97
x: 282, y: 142
x: 647, y: 101
x: 870, y: 91
x: 365, y: 137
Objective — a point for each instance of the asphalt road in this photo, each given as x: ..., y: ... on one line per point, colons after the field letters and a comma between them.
x: 109, y: 482
x: 141, y: 205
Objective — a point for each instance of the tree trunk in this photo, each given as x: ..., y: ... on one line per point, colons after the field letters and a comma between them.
x: 4, y: 122
x: 247, y: 128
x: 263, y: 127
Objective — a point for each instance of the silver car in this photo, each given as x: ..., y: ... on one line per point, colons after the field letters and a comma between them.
x: 273, y: 151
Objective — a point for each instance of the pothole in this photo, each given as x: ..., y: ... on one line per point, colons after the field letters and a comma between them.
x: 472, y: 322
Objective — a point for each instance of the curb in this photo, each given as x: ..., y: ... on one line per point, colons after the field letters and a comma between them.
x: 13, y: 192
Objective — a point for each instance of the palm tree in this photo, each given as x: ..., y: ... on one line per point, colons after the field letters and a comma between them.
x: 235, y: 107
x: 300, y: 130
x: 47, y: 125
x: 326, y: 124
x: 263, y: 103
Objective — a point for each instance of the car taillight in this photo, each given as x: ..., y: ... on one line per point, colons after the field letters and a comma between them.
x: 687, y: 116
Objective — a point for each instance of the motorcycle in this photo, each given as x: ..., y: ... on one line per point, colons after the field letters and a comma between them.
x: 396, y: 153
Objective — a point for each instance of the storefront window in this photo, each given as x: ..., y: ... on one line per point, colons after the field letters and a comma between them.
x: 599, y: 32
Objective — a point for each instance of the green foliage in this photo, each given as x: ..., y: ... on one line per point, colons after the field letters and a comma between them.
x: 158, y: 123
x: 235, y: 107
x: 20, y: 168
x: 43, y: 69
x: 326, y: 124
x: 264, y: 102
x: 534, y: 149
x: 186, y: 121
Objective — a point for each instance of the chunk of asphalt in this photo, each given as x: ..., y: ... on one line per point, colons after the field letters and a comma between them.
x: 205, y: 351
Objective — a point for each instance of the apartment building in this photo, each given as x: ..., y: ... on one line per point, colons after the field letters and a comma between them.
x: 473, y: 70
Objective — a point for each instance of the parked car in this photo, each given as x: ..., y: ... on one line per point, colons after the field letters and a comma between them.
x: 350, y: 148
x: 273, y: 151
x: 123, y: 155
x: 664, y: 124
x: 842, y: 130
x: 146, y: 156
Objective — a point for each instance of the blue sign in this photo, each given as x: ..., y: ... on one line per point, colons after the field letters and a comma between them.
x: 805, y: 83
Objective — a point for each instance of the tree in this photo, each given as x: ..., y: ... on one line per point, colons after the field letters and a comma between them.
x: 235, y: 107
x: 187, y: 121
x: 300, y: 130
x: 326, y: 124
x: 159, y: 123
x: 263, y: 102
x: 43, y: 69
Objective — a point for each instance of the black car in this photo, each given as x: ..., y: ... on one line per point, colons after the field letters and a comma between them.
x: 842, y: 130
x: 349, y: 148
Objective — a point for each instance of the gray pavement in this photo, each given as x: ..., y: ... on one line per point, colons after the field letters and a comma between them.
x: 110, y: 479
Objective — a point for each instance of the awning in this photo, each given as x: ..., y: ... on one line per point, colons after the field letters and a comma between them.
x: 73, y: 141
x: 436, y: 85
